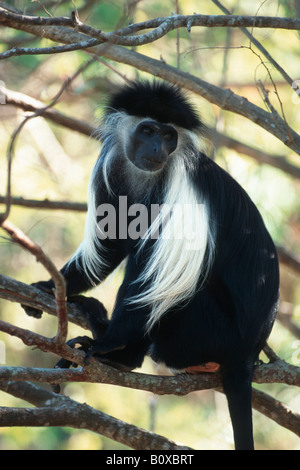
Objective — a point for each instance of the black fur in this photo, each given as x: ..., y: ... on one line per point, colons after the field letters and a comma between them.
x: 158, y: 100
x: 229, y: 318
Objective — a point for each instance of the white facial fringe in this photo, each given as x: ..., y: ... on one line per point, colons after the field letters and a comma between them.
x: 177, y: 261
x: 88, y: 255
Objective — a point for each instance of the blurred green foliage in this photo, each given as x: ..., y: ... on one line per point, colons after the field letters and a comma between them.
x: 53, y: 162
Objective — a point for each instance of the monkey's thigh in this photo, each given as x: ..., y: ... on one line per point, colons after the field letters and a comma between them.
x: 195, y: 335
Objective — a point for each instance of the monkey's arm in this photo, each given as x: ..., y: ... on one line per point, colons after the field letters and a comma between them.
x: 76, y: 277
x: 126, y: 341
x: 123, y: 342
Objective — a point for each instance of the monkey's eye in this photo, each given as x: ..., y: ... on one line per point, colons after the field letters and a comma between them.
x: 168, y: 136
x: 147, y: 130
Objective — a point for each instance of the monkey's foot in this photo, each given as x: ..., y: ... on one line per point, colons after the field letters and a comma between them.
x: 208, y: 367
x: 85, y: 344
x: 99, y: 348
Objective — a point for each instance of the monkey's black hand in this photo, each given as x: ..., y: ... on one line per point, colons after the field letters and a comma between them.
x: 96, y: 315
x: 45, y: 286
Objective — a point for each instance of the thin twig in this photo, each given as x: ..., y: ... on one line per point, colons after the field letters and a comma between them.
x: 259, y: 46
x: 274, y: 113
x: 18, y: 51
x: 177, y: 38
x: 46, y: 204
x: 37, y: 112
x: 60, y: 288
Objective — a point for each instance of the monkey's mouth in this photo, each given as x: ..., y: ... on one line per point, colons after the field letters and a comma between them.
x: 153, y: 164
x: 149, y: 163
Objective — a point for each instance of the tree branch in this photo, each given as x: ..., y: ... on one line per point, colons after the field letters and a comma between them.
x: 27, y: 103
x: 57, y: 410
x: 225, y: 99
x: 18, y: 51
x: 259, y: 46
x: 46, y: 204
x: 278, y: 371
x: 289, y: 259
x: 16, y: 291
x: 158, y: 24
x: 276, y: 411
x: 177, y: 385
x: 180, y: 385
x: 60, y: 288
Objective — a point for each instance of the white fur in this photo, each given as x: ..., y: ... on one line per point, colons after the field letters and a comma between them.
x: 174, y: 269
x: 87, y: 255
x: 177, y: 261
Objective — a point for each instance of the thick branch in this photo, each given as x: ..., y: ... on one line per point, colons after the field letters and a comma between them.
x: 181, y: 384
x: 30, y: 104
x: 27, y: 103
x: 277, y: 372
x: 178, y: 385
x: 276, y: 161
x: 225, y: 99
x: 160, y: 25
x: 57, y: 410
x: 16, y: 291
x: 289, y: 259
x: 276, y: 411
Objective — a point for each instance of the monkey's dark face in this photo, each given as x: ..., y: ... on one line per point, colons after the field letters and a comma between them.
x: 151, y: 144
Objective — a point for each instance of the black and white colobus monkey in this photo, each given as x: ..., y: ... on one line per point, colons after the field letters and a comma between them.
x: 184, y: 305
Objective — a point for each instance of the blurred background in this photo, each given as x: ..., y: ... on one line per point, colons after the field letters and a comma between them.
x: 52, y: 162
